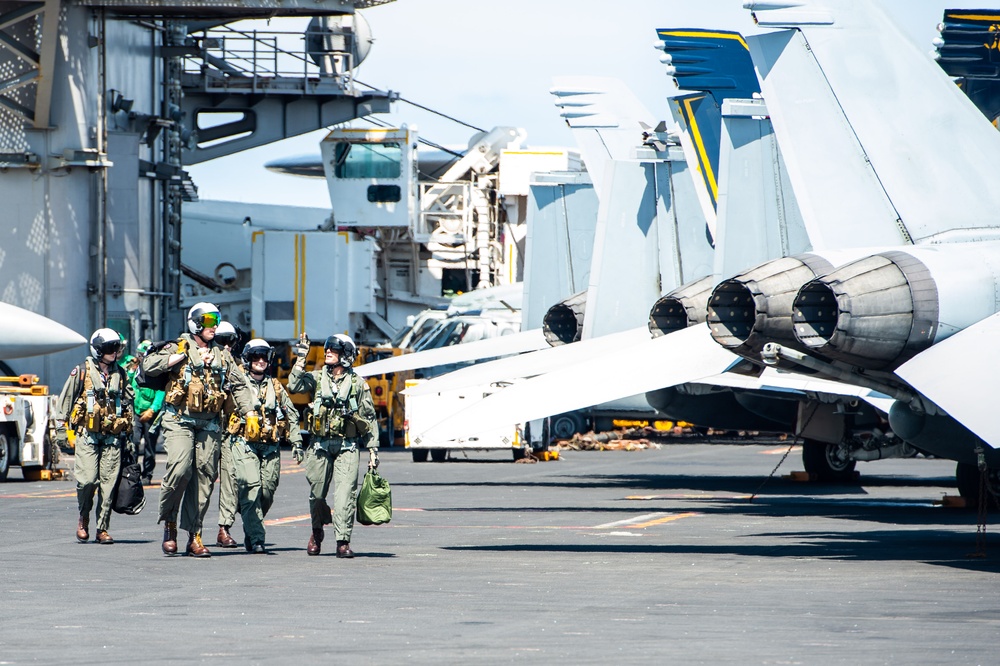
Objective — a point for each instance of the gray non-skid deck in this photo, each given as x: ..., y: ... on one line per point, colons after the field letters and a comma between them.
x: 602, y: 557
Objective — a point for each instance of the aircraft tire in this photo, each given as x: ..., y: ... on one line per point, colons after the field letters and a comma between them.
x: 419, y: 455
x: 823, y: 463
x: 967, y: 480
x: 5, y: 454
x: 439, y: 455
x: 564, y: 426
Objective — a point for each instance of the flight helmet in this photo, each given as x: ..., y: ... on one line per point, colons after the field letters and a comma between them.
x: 226, y: 335
x: 344, y: 346
x: 105, y: 341
x: 202, y: 316
x: 257, y: 348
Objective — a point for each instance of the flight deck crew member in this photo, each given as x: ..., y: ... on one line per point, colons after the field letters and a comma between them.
x: 258, y: 460
x: 97, y: 401
x: 201, y: 373
x: 145, y: 430
x: 227, y: 336
x: 341, y: 419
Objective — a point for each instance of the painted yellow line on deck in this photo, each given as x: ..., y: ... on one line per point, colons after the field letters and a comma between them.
x: 289, y: 519
x: 292, y: 470
x: 665, y: 519
x: 645, y: 520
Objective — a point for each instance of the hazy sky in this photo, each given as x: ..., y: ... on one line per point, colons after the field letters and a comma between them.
x: 492, y: 63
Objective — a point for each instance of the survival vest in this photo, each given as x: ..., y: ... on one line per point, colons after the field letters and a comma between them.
x: 198, y: 387
x: 336, y: 414
x: 99, y: 409
x: 274, y: 422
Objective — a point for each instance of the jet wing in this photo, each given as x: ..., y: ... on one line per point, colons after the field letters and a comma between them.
x: 25, y: 333
x: 961, y: 375
x: 517, y: 343
x: 775, y: 380
x: 681, y: 357
x: 534, y: 363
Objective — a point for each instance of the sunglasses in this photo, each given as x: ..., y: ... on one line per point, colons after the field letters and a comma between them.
x: 210, y: 319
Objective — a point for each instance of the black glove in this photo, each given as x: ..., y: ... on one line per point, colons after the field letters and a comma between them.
x: 302, y: 347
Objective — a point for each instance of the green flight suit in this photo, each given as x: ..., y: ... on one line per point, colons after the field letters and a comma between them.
x: 98, y: 454
x: 193, y: 439
x: 334, y: 456
x: 257, y: 464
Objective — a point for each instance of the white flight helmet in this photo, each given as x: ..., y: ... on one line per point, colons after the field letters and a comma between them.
x: 105, y: 341
x: 201, y: 316
x: 225, y: 334
x: 257, y: 347
x: 345, y: 348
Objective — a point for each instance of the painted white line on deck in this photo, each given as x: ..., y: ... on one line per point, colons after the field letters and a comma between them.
x: 645, y: 520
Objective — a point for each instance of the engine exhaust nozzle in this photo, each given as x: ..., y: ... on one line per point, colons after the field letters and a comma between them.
x: 683, y: 307
x: 755, y: 307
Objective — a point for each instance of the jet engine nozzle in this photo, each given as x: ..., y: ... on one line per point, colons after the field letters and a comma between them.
x: 755, y: 307
x: 563, y: 322
x: 874, y: 313
x: 685, y: 306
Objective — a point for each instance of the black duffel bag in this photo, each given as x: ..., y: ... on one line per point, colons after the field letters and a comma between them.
x: 129, y: 497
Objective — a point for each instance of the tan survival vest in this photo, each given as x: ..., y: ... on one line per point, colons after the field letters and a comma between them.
x: 274, y: 422
x: 193, y: 385
x: 99, y: 408
x: 336, y: 414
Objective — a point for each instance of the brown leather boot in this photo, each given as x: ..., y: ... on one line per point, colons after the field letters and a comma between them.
x: 170, y: 538
x: 195, y: 547
x: 225, y: 540
x: 81, y: 529
x: 344, y: 549
x: 315, y: 540
x: 104, y: 537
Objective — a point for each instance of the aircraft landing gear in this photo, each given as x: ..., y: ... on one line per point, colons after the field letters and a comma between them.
x: 828, y: 462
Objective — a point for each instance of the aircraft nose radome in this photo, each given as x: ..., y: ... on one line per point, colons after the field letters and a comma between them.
x: 25, y: 333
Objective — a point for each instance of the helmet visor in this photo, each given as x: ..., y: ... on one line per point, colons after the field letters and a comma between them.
x: 333, y: 344
x: 257, y: 355
x: 226, y: 339
x: 110, y: 347
x: 209, y: 319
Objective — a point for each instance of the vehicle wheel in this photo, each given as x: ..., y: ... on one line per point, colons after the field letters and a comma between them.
x: 384, y: 437
x: 439, y: 455
x: 967, y: 480
x: 5, y: 455
x: 827, y: 462
x: 520, y: 453
x: 564, y: 426
x: 419, y: 455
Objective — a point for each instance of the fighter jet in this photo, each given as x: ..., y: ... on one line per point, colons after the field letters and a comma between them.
x: 752, y: 188
x: 849, y: 136
x: 24, y: 333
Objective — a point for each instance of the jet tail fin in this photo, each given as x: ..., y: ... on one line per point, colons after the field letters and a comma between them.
x: 859, y: 110
x: 606, y: 117
x: 715, y: 65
